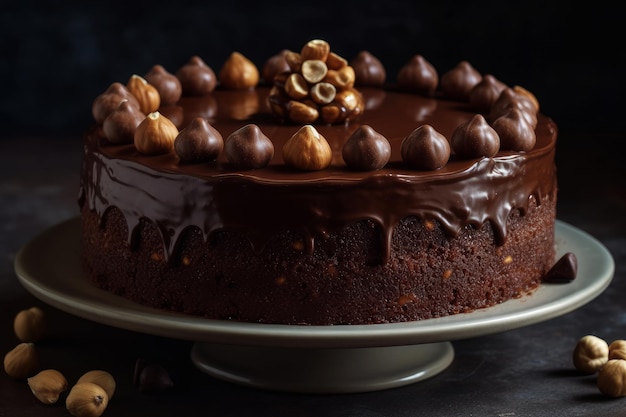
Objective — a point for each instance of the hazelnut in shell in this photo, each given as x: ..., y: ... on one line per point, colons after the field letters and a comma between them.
x: 30, y: 324
x: 86, y: 400
x: 101, y: 378
x: 22, y: 361
x: 48, y: 385
x: 590, y: 354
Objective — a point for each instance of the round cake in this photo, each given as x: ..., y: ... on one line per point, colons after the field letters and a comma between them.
x: 317, y: 190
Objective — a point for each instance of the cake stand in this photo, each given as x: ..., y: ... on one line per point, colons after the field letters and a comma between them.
x: 308, y: 359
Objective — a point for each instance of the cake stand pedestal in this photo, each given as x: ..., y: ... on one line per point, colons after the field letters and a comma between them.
x: 311, y: 359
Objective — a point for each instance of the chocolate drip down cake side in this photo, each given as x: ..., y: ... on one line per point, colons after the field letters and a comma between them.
x: 312, y: 190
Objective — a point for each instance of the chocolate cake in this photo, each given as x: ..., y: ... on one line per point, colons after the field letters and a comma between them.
x: 317, y: 190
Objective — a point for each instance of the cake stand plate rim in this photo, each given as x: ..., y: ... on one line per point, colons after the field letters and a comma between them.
x: 48, y: 266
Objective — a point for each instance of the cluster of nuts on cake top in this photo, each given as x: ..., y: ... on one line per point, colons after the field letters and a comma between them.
x: 312, y: 86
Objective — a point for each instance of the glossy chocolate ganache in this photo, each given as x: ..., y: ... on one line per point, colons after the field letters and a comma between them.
x: 233, y: 153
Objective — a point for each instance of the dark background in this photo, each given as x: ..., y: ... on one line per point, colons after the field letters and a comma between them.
x: 55, y: 60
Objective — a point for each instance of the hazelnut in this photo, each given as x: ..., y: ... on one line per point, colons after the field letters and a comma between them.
x: 296, y: 86
x: 151, y: 377
x: 335, y: 62
x: 617, y: 349
x: 120, y: 125
x: 166, y: 83
x: 101, y: 378
x: 248, y: 148
x: 457, y: 83
x: 308, y: 150
x: 29, y: 325
x: 108, y: 101
x: 341, y: 78
x: 521, y: 90
x: 238, y: 72
x: 155, y: 135
x: 198, y: 142
x: 315, y: 49
x: 419, y: 76
x: 323, y: 93
x: 368, y: 69
x: 314, y: 70
x: 276, y: 64
x: 300, y: 112
x: 515, y: 133
x: 146, y: 94
x: 22, y: 361
x: 612, y: 378
x: 425, y: 149
x: 196, y: 77
x: 590, y: 354
x: 86, y: 400
x: 366, y: 149
x: 294, y: 60
x: 47, y: 385
x: 475, y: 139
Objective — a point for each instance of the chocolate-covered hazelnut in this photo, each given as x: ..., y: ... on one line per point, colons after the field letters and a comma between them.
x: 425, y: 149
x: 166, y: 83
x: 248, y: 148
x: 515, y: 133
x: 368, y: 69
x: 276, y: 64
x: 509, y: 99
x: 485, y: 93
x: 150, y: 377
x: 418, y: 76
x: 198, y: 142
x: 457, y: 83
x: 196, y: 77
x: 366, y: 149
x: 564, y: 270
x: 475, y: 139
x: 120, y: 125
x: 110, y: 99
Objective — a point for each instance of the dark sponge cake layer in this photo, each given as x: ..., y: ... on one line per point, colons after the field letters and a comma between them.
x: 429, y: 273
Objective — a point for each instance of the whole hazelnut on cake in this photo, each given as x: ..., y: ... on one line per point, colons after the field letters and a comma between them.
x: 166, y: 83
x: 196, y: 77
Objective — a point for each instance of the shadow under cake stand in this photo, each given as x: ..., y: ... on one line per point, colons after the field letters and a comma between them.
x: 308, y: 359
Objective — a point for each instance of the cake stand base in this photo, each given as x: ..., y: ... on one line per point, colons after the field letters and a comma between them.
x: 322, y: 371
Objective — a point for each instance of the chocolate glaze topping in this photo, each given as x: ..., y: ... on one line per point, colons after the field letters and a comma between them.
x: 260, y: 202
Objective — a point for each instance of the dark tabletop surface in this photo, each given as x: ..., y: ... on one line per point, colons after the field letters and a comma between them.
x: 527, y: 371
